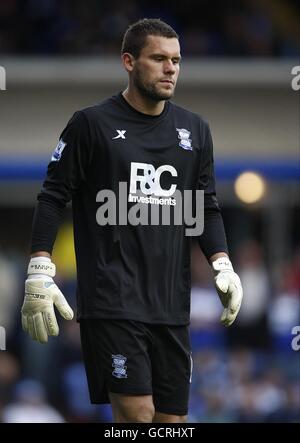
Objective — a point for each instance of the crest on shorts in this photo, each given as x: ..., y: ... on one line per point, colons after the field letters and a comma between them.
x: 185, y: 140
x: 118, y: 363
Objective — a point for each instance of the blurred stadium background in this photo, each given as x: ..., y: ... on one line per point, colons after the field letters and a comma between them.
x: 60, y: 56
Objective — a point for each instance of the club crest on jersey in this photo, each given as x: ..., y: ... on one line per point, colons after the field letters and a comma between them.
x: 58, y: 151
x: 184, y: 137
x: 118, y: 363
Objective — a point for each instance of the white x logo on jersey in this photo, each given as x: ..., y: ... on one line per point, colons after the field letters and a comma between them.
x: 121, y: 134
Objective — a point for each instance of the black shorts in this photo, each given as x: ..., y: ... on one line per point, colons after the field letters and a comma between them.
x: 134, y: 358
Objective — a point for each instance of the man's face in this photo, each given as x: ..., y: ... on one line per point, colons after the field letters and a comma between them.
x: 156, y: 70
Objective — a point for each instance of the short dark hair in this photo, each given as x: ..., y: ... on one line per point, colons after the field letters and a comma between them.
x: 135, y: 37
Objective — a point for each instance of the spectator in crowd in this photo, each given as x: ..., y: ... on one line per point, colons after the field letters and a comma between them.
x: 30, y: 405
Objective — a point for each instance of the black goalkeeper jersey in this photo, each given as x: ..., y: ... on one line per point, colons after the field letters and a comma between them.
x: 124, y: 270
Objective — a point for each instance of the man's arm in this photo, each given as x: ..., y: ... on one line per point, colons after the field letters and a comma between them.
x: 213, y: 240
x: 217, y: 255
x: 67, y: 169
x: 41, y: 254
x: 41, y: 292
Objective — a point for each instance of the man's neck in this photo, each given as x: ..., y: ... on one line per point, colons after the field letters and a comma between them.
x: 142, y: 104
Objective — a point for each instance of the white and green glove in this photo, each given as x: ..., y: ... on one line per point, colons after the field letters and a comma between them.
x: 229, y: 288
x: 41, y: 294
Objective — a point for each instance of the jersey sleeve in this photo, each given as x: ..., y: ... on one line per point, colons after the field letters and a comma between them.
x: 70, y: 161
x: 67, y: 169
x: 207, y: 173
x: 213, y: 239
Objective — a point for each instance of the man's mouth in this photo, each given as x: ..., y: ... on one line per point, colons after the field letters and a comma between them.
x: 168, y: 82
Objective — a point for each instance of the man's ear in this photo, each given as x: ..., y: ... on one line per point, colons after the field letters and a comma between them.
x: 128, y: 61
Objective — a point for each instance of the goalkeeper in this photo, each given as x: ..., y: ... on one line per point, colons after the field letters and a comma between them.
x: 133, y: 280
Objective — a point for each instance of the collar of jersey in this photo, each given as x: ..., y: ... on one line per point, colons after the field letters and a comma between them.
x: 141, y: 114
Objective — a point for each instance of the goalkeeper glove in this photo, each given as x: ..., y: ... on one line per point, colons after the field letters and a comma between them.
x: 41, y: 294
x: 229, y: 288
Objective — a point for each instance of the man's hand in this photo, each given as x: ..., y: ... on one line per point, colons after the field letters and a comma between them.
x: 41, y: 294
x: 229, y: 289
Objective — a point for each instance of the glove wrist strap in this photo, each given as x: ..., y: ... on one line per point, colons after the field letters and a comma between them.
x: 222, y: 264
x: 41, y: 265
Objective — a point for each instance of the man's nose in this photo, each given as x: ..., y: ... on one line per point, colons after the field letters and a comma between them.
x: 169, y: 67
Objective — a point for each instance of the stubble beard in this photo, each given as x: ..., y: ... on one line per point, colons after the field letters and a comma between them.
x: 149, y: 90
